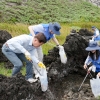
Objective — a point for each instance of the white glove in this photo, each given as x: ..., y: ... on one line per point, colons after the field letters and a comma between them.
x: 60, y: 47
x: 62, y: 54
x: 28, y: 56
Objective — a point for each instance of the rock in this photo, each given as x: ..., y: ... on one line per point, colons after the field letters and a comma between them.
x: 4, y: 36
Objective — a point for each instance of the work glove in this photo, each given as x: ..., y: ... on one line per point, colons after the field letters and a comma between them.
x: 90, y: 68
x: 41, y: 65
x: 28, y: 56
x: 59, y: 46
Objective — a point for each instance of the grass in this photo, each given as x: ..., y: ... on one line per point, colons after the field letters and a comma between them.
x: 7, y: 72
x: 4, y: 71
x: 44, y: 11
x: 18, y: 29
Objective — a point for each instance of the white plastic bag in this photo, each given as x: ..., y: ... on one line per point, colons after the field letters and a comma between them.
x: 41, y: 73
x: 95, y: 86
x: 43, y: 80
x: 62, y: 54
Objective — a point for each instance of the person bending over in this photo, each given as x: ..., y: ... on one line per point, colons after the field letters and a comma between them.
x: 49, y: 30
x: 21, y: 48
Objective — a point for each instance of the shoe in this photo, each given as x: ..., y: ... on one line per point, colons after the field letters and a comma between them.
x: 31, y: 80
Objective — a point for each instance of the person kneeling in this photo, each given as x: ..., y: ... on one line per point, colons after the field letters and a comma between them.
x: 93, y: 57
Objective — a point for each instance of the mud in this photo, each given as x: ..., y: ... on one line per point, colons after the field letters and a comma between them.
x: 17, y: 88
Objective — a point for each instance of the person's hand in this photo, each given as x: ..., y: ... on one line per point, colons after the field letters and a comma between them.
x: 90, y: 68
x: 85, y: 66
x: 41, y: 65
x: 28, y: 56
x: 98, y: 74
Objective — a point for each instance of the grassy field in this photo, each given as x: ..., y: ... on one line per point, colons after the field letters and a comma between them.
x: 44, y: 11
x: 18, y: 29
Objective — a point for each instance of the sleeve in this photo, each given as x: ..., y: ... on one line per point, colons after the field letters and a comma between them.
x: 97, y: 32
x: 34, y: 59
x: 38, y: 28
x: 88, y: 60
x: 53, y: 36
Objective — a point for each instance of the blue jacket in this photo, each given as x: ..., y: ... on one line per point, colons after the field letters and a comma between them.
x: 44, y: 28
x: 94, y: 62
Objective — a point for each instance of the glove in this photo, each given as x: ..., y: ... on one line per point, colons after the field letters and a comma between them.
x: 59, y: 46
x: 41, y: 65
x: 28, y: 56
x: 90, y: 68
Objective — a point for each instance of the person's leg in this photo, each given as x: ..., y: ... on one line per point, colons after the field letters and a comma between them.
x: 29, y: 68
x: 12, y: 57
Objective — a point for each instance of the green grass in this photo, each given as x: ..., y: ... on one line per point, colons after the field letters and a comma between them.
x: 7, y: 72
x: 4, y: 71
x: 44, y: 11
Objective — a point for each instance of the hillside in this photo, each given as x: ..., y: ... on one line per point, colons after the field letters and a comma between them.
x: 39, y: 11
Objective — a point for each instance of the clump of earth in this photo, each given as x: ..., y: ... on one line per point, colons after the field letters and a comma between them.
x: 64, y: 79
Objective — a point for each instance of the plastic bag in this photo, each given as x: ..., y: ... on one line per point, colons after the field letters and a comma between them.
x: 43, y: 80
x: 95, y: 86
x: 62, y: 54
x: 42, y: 74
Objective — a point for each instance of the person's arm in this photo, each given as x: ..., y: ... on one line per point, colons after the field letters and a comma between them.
x: 36, y: 29
x: 31, y: 30
x: 34, y: 59
x: 98, y: 74
x: 97, y: 33
x: 87, y: 62
x: 55, y: 40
